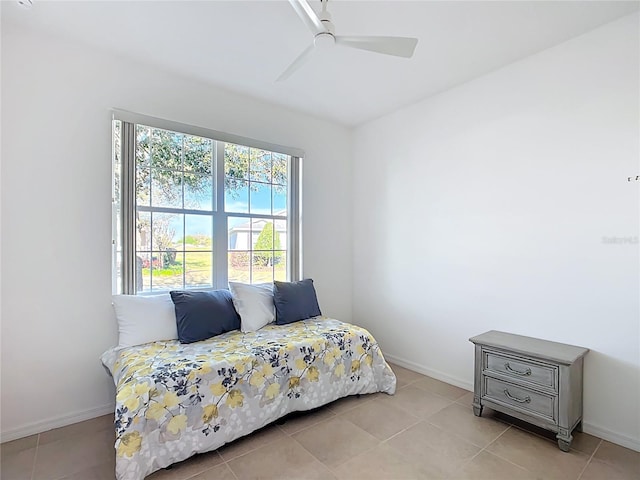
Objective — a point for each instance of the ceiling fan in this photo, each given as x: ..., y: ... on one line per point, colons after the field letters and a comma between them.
x: 324, y: 36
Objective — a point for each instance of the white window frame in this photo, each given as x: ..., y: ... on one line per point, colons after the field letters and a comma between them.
x: 124, y: 208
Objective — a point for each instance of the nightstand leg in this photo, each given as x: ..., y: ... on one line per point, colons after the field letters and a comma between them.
x: 564, y: 444
x: 477, y: 410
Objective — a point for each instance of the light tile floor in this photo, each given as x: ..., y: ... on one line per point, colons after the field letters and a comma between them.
x: 426, y: 431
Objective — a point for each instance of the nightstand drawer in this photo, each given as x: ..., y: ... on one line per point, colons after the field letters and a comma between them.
x: 521, y: 368
x: 520, y: 397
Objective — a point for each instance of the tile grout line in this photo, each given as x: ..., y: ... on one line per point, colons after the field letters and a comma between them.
x: 468, y: 460
x: 466, y: 439
x: 35, y: 458
x: 385, y: 441
x: 407, y: 384
x: 224, y: 462
x: 495, y: 439
x: 206, y: 469
x: 331, y: 469
x: 590, y: 458
x: 485, y: 449
x: 241, y: 455
x: 428, y: 390
x: 410, y: 412
x: 308, y: 426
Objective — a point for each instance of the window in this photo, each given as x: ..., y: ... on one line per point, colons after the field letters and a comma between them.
x: 193, y: 210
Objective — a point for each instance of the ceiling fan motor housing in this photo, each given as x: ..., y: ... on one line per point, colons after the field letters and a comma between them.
x: 327, y: 38
x: 323, y: 40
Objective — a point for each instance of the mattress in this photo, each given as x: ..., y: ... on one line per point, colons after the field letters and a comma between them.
x: 174, y: 400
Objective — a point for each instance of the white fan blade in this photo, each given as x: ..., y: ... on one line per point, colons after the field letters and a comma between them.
x: 397, y: 46
x: 308, y: 16
x: 297, y: 63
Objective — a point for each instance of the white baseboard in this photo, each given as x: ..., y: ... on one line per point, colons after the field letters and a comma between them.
x: 591, y: 429
x: 55, y: 422
x: 430, y: 372
x: 613, y: 437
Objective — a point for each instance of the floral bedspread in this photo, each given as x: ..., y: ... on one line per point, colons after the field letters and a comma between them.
x: 175, y: 400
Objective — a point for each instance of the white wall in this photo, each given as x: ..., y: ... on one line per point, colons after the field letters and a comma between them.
x: 485, y: 207
x: 56, y: 211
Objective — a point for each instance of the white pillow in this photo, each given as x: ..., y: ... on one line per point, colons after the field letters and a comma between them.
x: 254, y: 304
x: 144, y: 319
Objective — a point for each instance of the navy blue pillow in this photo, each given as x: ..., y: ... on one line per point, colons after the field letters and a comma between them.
x: 202, y: 315
x: 295, y: 301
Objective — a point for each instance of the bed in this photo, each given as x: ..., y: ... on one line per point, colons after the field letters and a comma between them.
x: 174, y: 400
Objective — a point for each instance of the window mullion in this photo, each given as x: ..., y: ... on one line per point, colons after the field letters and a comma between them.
x: 220, y: 241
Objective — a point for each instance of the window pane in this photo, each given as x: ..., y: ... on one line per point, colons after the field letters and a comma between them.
x: 143, y: 231
x: 264, y: 238
x: 262, y: 267
x: 198, y: 269
x: 236, y: 161
x: 198, y: 192
x: 280, y: 234
x: 236, y: 196
x: 239, y: 233
x: 257, y: 226
x: 198, y: 153
x: 143, y: 146
x: 167, y: 270
x: 260, y: 198
x: 143, y: 269
x: 143, y: 187
x: 166, y: 149
x: 198, y: 233
x: 260, y: 166
x: 280, y: 168
x: 167, y: 231
x: 239, y: 267
x: 279, y: 200
x: 166, y: 188
x: 280, y: 266
x: 118, y: 273
x: 117, y: 166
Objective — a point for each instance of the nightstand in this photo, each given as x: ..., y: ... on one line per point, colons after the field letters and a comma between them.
x: 535, y: 380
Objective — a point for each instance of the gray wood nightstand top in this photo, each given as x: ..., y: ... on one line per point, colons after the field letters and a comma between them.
x: 543, y: 349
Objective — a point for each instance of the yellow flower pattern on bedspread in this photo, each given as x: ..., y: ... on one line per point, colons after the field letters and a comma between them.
x: 174, y: 400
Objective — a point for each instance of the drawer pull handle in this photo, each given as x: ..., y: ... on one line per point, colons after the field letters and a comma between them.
x: 526, y: 373
x: 526, y: 399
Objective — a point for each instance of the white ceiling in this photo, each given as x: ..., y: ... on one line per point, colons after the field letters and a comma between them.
x: 245, y: 45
